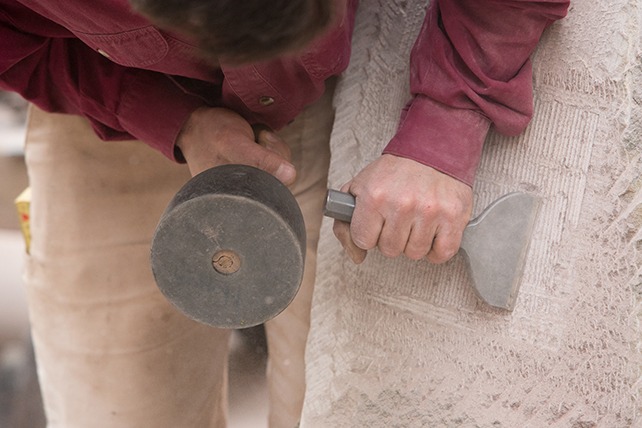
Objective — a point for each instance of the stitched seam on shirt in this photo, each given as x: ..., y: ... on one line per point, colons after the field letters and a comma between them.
x: 115, y: 40
x: 8, y: 19
x: 239, y: 96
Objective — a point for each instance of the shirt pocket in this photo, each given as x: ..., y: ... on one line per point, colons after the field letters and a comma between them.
x: 141, y: 47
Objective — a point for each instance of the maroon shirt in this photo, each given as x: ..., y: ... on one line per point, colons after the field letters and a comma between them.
x: 99, y: 59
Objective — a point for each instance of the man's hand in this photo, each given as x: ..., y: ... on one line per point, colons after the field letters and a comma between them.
x: 217, y: 136
x: 405, y: 207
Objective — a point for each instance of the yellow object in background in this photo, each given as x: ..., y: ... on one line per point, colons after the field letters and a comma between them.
x: 22, y: 205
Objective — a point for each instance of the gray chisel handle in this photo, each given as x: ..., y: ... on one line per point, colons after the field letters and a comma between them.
x: 339, y: 205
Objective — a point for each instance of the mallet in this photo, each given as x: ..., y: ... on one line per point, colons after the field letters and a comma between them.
x: 229, y: 249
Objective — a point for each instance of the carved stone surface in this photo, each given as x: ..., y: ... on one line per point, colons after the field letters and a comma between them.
x: 407, y: 344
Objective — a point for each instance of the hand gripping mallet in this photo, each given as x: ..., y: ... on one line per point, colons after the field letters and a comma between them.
x: 229, y: 249
x: 494, y: 244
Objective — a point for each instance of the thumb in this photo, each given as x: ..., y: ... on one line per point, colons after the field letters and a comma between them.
x: 342, y: 232
x: 272, y: 141
x: 271, y: 162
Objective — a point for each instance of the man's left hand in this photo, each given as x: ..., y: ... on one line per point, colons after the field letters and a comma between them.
x: 405, y: 207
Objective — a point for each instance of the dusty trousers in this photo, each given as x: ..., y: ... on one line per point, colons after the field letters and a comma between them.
x: 110, y: 350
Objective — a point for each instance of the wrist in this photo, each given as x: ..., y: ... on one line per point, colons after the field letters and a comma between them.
x: 186, y: 134
x: 447, y: 139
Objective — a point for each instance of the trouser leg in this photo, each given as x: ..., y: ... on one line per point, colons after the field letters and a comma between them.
x: 111, y: 351
x: 308, y: 136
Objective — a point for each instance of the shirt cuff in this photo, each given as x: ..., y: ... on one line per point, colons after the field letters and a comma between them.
x: 447, y: 139
x: 154, y: 110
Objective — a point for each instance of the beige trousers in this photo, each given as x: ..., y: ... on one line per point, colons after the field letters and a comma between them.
x: 111, y: 351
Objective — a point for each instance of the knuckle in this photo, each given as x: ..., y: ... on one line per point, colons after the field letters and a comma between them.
x: 442, y: 255
x: 406, y: 204
x: 450, y: 253
x: 390, y: 252
x: 427, y: 208
x: 436, y: 258
x: 372, y: 197
x: 447, y: 209
x: 375, y: 198
x: 364, y: 234
x: 415, y: 253
x: 362, y: 242
x: 268, y: 163
x: 454, y: 210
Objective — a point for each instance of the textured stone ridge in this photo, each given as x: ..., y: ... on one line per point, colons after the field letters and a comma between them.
x: 396, y: 343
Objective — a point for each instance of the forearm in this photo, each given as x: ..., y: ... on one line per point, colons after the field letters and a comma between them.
x: 470, y: 68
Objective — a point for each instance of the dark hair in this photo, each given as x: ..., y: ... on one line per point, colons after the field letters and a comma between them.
x: 241, y: 30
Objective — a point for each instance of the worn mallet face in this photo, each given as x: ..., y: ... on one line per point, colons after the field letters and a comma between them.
x: 229, y: 250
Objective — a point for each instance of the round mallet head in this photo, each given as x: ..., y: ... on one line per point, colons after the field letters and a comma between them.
x: 229, y: 250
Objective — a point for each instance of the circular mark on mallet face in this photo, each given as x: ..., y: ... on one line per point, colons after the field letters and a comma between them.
x: 226, y: 262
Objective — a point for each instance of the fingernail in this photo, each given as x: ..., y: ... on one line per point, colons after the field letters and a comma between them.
x: 271, y: 137
x: 285, y: 172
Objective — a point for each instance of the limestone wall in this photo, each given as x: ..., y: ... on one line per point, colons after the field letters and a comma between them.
x: 396, y: 343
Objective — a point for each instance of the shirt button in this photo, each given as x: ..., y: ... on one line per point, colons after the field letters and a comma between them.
x: 103, y: 53
x: 266, y: 101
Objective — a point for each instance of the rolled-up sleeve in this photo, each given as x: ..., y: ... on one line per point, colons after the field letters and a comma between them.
x: 470, y: 68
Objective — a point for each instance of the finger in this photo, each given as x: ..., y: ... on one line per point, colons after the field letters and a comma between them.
x: 271, y: 141
x: 445, y: 246
x: 365, y: 228
x: 420, y: 242
x: 267, y: 160
x: 342, y: 232
x: 394, y: 236
x: 284, y: 171
x: 346, y: 187
x: 366, y: 224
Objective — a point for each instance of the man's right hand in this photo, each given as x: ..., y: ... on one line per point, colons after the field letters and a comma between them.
x: 218, y: 136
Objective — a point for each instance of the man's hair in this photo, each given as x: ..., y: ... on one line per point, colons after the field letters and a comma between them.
x: 241, y: 30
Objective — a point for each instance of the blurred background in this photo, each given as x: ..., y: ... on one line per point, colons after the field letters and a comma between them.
x: 20, y: 401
